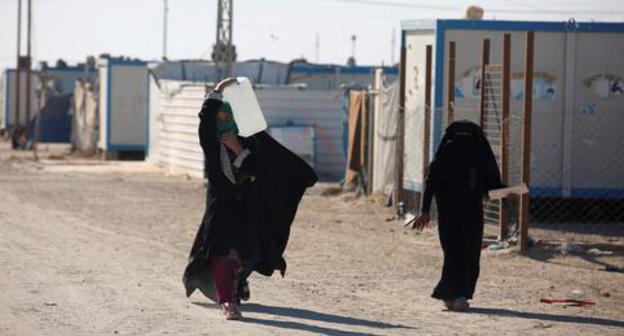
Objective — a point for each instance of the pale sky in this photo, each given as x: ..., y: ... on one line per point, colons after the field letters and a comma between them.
x: 275, y: 29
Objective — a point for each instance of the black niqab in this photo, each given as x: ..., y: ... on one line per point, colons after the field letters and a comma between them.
x: 463, y: 170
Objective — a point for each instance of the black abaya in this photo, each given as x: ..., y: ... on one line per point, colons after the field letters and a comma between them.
x: 463, y: 170
x: 253, y: 215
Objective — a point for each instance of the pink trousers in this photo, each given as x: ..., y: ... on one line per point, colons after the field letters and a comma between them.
x: 225, y: 274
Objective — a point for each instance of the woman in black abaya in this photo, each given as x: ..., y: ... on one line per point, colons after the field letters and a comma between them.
x: 463, y: 170
x: 254, y: 188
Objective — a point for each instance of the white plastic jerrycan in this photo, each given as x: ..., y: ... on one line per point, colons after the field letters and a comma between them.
x: 247, y: 112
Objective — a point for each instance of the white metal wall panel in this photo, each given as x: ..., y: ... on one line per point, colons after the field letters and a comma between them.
x: 3, y: 100
x: 319, y: 108
x: 103, y: 105
x: 598, y: 113
x: 299, y: 139
x: 128, y: 105
x: 178, y: 144
x: 414, y: 108
x: 153, y: 117
x: 123, y: 105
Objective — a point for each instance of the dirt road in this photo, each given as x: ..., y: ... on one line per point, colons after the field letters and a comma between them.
x: 91, y: 248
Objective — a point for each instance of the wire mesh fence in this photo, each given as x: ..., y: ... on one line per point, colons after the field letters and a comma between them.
x: 580, y: 180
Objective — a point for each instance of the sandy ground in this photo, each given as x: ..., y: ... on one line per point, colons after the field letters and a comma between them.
x: 92, y: 248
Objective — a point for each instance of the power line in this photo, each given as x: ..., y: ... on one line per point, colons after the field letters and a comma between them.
x: 398, y: 5
x: 534, y: 10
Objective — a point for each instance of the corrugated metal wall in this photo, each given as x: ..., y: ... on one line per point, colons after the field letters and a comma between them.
x: 173, y: 112
x: 596, y: 158
x: 319, y: 108
x: 173, y: 127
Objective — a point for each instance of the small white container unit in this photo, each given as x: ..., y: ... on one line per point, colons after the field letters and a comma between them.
x: 578, y: 99
x: 123, y: 105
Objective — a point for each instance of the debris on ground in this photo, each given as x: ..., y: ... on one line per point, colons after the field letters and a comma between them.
x: 56, y: 157
x: 598, y: 252
x: 569, y: 248
x: 577, y: 294
x: 498, y: 246
x: 569, y: 302
x: 541, y: 325
x: 332, y: 191
x: 533, y: 242
x: 408, y: 219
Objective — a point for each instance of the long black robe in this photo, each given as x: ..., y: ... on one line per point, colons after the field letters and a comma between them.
x: 463, y: 170
x: 252, y: 217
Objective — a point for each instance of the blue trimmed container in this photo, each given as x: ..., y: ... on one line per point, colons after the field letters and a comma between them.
x: 578, y: 107
x: 123, y: 105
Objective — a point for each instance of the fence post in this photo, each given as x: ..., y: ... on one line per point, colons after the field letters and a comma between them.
x: 451, y: 83
x: 526, y: 141
x: 485, y: 60
x: 373, y: 108
x: 398, y: 188
x: 41, y: 102
x: 427, y: 121
x: 504, y: 168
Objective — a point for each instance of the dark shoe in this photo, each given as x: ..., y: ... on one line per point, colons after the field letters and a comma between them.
x: 460, y: 305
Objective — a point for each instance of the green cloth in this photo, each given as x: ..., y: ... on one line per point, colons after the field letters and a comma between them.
x: 227, y: 126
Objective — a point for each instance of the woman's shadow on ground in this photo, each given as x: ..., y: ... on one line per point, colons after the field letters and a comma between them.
x: 547, y: 317
x: 310, y: 315
x: 548, y: 253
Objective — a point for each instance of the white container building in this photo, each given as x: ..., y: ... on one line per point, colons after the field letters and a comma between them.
x: 578, y: 99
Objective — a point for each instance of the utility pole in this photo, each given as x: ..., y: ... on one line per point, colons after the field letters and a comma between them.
x: 392, y: 46
x: 28, y: 66
x: 317, y: 48
x: 351, y: 60
x: 165, y: 23
x: 42, y: 98
x: 16, y: 112
x: 224, y: 52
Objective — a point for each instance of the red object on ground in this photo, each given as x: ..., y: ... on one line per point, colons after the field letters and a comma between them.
x: 569, y: 302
